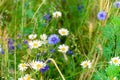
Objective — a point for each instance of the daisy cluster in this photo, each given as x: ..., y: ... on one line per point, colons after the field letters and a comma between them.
x: 36, y: 43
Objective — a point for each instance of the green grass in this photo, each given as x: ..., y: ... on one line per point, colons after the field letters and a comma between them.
x: 89, y: 38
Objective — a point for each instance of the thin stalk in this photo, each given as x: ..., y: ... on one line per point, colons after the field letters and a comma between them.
x: 56, y: 67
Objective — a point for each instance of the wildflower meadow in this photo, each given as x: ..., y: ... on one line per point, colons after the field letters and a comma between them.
x: 59, y: 40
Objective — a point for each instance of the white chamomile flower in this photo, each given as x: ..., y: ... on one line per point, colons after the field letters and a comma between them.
x: 115, y: 78
x: 21, y: 78
x: 63, y: 32
x: 85, y: 64
x: 63, y: 48
x: 37, y: 65
x: 35, y: 44
x: 22, y: 66
x: 57, y: 14
x: 43, y: 37
x: 115, y: 61
x: 28, y: 77
x: 32, y: 36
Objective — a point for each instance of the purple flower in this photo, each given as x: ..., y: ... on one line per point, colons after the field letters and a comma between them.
x: 10, y: 41
x: 25, y: 42
x: 3, y: 52
x: 52, y: 50
x: 47, y: 17
x: 70, y: 52
x: 44, y: 69
x: 101, y: 15
x: 53, y: 39
x: 117, y: 4
x: 10, y: 45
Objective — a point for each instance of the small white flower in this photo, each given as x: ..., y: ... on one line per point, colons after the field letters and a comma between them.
x: 35, y: 44
x: 32, y: 36
x: 28, y: 77
x: 63, y: 32
x: 57, y: 14
x: 22, y: 66
x: 63, y: 48
x: 115, y: 61
x: 85, y: 64
x: 37, y: 65
x: 43, y: 37
x: 21, y: 78
x: 0, y: 49
x: 115, y: 78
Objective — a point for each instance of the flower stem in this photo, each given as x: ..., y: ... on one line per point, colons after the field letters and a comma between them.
x: 56, y: 67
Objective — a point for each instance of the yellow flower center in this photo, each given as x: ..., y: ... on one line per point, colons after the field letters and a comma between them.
x: 23, y: 65
x: 35, y: 44
x: 115, y: 61
x: 28, y: 78
x: 85, y: 64
x: 63, y: 49
x: 63, y: 32
x: 39, y: 66
x: 56, y: 15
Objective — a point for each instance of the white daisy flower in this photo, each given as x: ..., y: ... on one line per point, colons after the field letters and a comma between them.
x: 37, y: 65
x: 21, y: 78
x: 85, y: 64
x: 35, y: 44
x: 63, y: 48
x: 43, y: 37
x: 22, y: 66
x: 57, y: 14
x: 115, y: 61
x: 28, y: 77
x: 63, y: 32
x: 115, y: 78
x: 32, y: 36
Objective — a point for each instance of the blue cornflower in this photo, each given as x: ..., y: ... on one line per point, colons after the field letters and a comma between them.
x: 2, y: 52
x: 52, y: 50
x: 10, y: 41
x: 10, y: 45
x: 25, y: 42
x: 47, y: 17
x: 101, y: 15
x: 19, y: 46
x: 53, y: 39
x: 44, y: 69
x: 70, y: 52
x: 117, y: 4
x: 80, y: 7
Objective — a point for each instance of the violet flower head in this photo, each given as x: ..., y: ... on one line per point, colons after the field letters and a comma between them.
x: 70, y: 52
x: 47, y: 17
x: 10, y: 45
x: 117, y: 4
x: 52, y: 50
x: 44, y: 69
x: 25, y: 42
x: 101, y: 15
x: 53, y: 39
